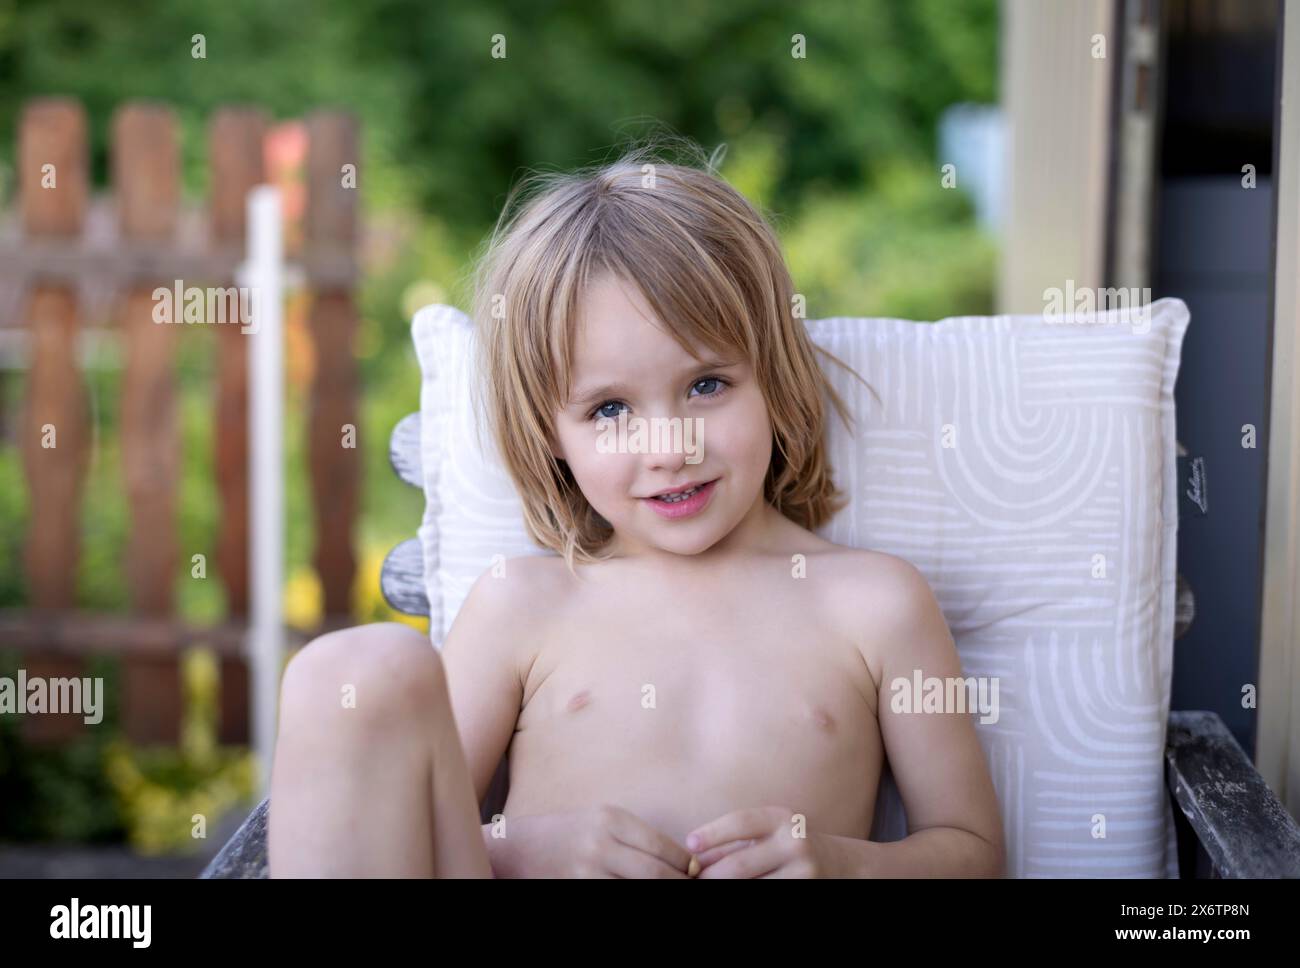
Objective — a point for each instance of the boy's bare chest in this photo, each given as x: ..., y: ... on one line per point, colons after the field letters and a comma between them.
x: 684, y: 707
x: 720, y: 666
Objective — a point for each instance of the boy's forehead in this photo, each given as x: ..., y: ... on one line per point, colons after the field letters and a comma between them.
x: 599, y: 338
x: 611, y: 307
x: 618, y: 338
x: 614, y: 329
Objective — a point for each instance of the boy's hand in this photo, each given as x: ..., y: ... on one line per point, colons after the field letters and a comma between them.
x: 603, y: 841
x: 761, y: 842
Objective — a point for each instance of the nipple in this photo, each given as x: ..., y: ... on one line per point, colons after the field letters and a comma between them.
x: 823, y: 719
x: 578, y: 700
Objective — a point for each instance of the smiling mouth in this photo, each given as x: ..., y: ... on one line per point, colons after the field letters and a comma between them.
x: 675, y: 497
x: 679, y: 496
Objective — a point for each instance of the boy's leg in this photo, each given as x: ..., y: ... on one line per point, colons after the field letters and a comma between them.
x: 369, y: 778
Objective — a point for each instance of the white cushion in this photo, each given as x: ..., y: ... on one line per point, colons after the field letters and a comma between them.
x: 1009, y: 453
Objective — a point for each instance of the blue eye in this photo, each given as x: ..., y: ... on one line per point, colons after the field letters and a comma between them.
x: 599, y: 412
x: 721, y: 384
x: 715, y: 386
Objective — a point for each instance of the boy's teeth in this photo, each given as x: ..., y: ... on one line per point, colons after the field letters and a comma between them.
x: 680, y: 496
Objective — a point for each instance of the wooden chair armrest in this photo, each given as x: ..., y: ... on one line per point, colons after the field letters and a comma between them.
x: 244, y: 855
x: 1242, y: 826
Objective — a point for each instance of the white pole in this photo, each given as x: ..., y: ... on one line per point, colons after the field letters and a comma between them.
x: 266, y: 467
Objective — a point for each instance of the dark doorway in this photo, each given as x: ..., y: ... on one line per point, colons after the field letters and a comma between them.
x: 1213, y: 248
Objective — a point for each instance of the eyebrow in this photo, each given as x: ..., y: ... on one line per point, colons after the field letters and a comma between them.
x: 615, y: 389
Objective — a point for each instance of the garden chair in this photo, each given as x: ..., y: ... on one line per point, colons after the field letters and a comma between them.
x: 1230, y: 824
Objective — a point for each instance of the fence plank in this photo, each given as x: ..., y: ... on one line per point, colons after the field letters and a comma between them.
x: 54, y: 437
x: 53, y: 193
x: 238, y: 163
x: 146, y: 180
x: 54, y: 425
x: 334, y: 451
x: 53, y: 132
x: 76, y: 634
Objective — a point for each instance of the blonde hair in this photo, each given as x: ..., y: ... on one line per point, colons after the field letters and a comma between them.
x: 710, y: 267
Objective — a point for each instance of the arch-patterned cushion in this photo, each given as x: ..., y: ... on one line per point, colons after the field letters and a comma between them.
x: 1027, y: 468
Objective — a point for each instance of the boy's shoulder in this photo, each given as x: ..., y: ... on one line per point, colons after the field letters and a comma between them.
x: 876, y: 598
x: 854, y: 572
x: 864, y: 568
x: 860, y: 577
x: 505, y: 612
x: 522, y: 581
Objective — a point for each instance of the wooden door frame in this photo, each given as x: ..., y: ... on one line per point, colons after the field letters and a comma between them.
x: 1277, y: 753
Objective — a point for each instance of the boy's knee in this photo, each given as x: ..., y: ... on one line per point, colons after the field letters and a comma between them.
x: 377, y: 671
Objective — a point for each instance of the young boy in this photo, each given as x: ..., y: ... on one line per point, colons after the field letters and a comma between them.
x: 696, y: 684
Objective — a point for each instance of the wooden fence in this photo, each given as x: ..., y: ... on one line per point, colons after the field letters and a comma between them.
x: 45, y: 272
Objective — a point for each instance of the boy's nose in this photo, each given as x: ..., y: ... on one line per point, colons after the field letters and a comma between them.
x: 665, y: 459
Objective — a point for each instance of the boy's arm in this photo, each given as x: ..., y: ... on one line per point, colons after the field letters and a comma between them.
x: 486, y: 684
x: 954, y: 822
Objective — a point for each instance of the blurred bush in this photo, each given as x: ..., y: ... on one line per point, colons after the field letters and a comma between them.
x: 60, y: 793
x: 905, y: 247
x: 99, y: 788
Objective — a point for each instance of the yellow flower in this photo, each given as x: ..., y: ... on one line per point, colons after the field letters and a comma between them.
x: 303, y: 599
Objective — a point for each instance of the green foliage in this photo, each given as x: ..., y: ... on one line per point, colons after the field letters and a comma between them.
x: 286, y: 57
x: 904, y: 248
x: 449, y: 126
x: 63, y: 792
x: 168, y: 796
x: 98, y: 788
x: 876, y: 75
x: 197, y: 505
x: 13, y: 500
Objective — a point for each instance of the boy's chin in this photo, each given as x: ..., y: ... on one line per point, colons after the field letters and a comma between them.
x: 683, y: 544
